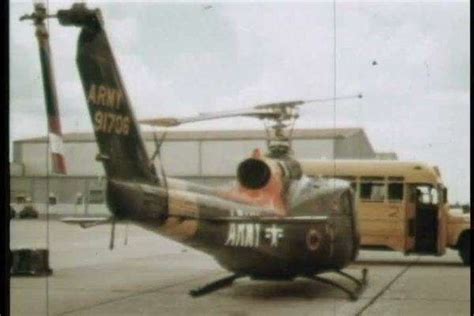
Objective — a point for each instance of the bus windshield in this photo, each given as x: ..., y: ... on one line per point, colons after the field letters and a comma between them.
x: 427, y: 194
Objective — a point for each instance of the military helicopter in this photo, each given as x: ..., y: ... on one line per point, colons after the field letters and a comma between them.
x: 273, y: 224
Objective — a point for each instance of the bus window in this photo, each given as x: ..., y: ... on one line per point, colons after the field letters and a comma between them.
x: 395, y: 191
x: 372, y: 191
x: 426, y: 194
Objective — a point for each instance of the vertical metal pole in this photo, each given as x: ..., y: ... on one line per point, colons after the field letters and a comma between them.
x: 55, y: 145
x: 32, y: 188
x: 86, y: 199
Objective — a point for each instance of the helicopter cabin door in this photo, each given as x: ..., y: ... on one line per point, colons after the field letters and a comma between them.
x: 426, y: 218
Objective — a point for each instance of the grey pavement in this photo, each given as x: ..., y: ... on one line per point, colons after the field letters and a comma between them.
x: 152, y: 276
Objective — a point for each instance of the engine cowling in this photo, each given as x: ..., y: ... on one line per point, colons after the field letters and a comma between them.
x: 255, y: 174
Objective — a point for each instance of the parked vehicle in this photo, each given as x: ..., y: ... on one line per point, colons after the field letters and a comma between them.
x: 402, y: 206
x: 28, y: 212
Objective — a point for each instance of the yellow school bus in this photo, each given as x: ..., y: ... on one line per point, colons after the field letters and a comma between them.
x: 402, y: 206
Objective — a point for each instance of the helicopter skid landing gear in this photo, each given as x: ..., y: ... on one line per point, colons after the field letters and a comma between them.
x: 214, y: 286
x: 353, y: 294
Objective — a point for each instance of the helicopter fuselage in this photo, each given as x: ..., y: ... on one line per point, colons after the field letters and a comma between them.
x: 318, y: 234
x: 274, y: 223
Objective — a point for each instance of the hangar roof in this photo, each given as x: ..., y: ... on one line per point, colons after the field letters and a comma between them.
x: 327, y: 133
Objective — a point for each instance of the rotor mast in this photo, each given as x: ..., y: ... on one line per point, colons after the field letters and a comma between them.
x: 279, y: 131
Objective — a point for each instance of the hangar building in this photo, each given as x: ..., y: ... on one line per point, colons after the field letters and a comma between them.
x: 208, y: 157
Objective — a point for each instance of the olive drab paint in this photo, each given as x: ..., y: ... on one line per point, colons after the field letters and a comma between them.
x: 280, y: 225
x: 121, y: 149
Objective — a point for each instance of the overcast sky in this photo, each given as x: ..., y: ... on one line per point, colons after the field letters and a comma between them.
x: 182, y: 59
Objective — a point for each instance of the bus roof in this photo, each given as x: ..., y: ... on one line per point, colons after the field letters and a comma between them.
x: 411, y: 171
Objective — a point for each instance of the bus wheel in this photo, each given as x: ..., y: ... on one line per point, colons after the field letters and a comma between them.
x: 464, y: 248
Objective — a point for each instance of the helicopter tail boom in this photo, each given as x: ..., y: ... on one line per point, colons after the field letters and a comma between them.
x: 121, y: 148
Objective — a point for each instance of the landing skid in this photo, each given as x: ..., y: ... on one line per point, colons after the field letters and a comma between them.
x: 353, y: 294
x: 216, y: 285
x: 225, y: 282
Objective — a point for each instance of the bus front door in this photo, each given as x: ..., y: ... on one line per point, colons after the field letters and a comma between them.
x: 426, y: 219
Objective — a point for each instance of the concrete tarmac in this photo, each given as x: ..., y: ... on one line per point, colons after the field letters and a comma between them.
x: 151, y: 275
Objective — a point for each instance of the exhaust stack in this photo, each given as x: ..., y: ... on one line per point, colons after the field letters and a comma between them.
x: 253, y: 173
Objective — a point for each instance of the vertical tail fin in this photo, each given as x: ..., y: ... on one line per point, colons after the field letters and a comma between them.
x: 121, y: 147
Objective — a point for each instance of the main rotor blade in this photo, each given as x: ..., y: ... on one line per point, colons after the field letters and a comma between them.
x: 261, y: 111
x: 172, y: 121
x: 292, y: 104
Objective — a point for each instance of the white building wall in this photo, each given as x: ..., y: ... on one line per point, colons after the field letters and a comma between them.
x: 34, y: 159
x: 16, y: 169
x: 179, y: 158
x: 210, y: 161
x: 80, y: 159
x: 214, y: 158
x: 220, y: 158
x: 314, y: 149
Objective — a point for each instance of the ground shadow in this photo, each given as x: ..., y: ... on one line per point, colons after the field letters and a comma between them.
x: 300, y: 288
x: 432, y: 263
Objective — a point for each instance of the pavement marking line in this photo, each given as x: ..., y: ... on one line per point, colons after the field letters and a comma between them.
x: 386, y: 287
x: 135, y: 294
x: 429, y: 299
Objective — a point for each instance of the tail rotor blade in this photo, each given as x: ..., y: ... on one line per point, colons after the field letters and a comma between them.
x: 51, y: 99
